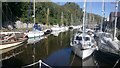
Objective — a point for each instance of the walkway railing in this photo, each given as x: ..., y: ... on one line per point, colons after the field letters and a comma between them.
x: 40, y: 62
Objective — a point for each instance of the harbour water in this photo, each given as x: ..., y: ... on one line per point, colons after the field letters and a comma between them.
x: 54, y: 51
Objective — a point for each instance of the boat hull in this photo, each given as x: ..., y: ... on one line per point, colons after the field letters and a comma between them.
x: 48, y: 31
x: 55, y: 33
x: 106, y: 43
x: 9, y: 45
x: 34, y: 34
x: 83, y: 53
x: 35, y: 40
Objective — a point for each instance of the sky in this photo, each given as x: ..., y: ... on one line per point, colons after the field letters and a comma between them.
x: 94, y: 6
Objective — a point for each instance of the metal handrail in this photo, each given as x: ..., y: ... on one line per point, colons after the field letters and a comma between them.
x: 40, y: 64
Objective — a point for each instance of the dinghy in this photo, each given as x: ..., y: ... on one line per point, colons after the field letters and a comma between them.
x: 10, y: 39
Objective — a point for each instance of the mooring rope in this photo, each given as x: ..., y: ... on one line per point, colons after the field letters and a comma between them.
x: 73, y: 58
x: 116, y: 63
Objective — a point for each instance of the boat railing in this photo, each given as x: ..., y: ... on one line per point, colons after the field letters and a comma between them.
x: 40, y: 62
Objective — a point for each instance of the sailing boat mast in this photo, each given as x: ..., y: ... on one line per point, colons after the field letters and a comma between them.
x: 90, y: 15
x: 34, y: 10
x: 47, y: 17
x: 0, y: 17
x: 71, y: 19
x: 116, y: 7
x: 103, y: 15
x: 62, y: 18
x: 84, y: 10
x: 86, y: 25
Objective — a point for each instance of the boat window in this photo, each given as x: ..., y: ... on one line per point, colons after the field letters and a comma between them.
x: 87, y: 38
x: 78, y: 38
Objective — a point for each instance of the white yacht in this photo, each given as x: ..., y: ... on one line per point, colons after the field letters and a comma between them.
x: 55, y: 30
x: 108, y: 42
x: 83, y: 45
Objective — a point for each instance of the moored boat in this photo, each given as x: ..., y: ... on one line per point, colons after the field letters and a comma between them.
x: 11, y: 39
x: 55, y: 30
x: 83, y: 46
x: 108, y: 42
x: 83, y: 43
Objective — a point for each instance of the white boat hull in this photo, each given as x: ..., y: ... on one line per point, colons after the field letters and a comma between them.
x: 34, y: 40
x: 55, y: 28
x: 35, y: 34
x: 10, y: 45
x: 6, y: 33
x: 55, y: 33
x: 63, y: 29
x: 106, y: 43
x: 83, y: 53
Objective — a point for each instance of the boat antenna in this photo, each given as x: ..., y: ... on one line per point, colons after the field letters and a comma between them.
x: 116, y: 10
x: 103, y: 15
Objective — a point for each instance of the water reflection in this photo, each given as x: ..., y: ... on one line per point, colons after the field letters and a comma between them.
x: 106, y: 59
x: 59, y: 58
x: 40, y: 50
x: 55, y: 51
x: 12, y: 51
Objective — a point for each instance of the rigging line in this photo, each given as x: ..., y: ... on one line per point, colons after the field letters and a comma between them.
x: 10, y: 12
x: 25, y: 4
x: 107, y: 27
x: 73, y: 58
x: 5, y: 15
x: 116, y: 63
x: 16, y: 11
x: 116, y: 13
x: 102, y: 19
